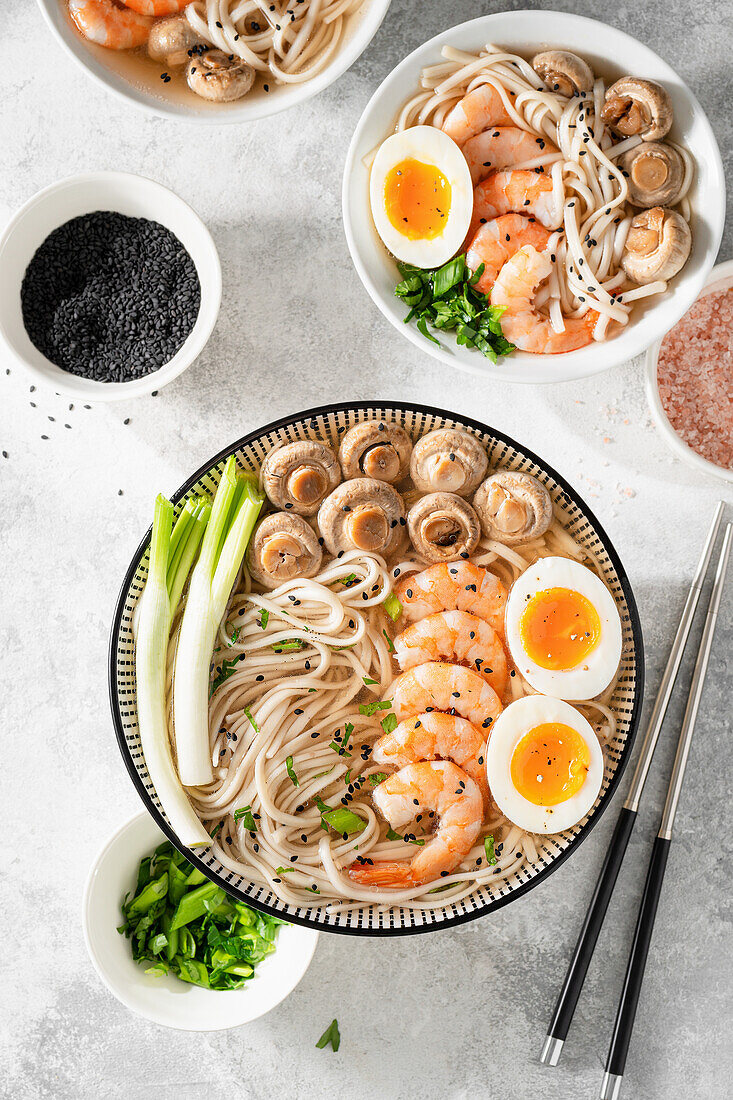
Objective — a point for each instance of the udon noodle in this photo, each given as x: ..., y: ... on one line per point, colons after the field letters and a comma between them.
x: 586, y: 253
x: 290, y: 727
x: 291, y: 40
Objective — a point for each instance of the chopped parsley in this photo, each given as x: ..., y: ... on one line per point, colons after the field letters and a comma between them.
x: 392, y: 835
x: 244, y: 814
x: 339, y: 818
x: 389, y: 723
x: 368, y: 681
x: 224, y: 671
x: 390, y: 643
x: 446, y: 299
x: 368, y: 709
x: 252, y: 722
x: 291, y: 773
x: 377, y: 777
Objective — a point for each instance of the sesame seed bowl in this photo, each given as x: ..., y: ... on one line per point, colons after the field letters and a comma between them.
x: 377, y: 918
x: 169, y: 222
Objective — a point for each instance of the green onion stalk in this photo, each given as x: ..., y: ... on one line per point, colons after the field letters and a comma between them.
x: 172, y: 552
x: 236, y: 506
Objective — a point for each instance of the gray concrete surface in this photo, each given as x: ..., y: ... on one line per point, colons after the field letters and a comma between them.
x: 454, y: 1014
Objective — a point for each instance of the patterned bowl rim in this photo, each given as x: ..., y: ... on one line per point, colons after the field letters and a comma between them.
x: 624, y: 753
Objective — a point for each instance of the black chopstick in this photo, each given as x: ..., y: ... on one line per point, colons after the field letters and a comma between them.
x: 616, y: 1061
x: 570, y: 992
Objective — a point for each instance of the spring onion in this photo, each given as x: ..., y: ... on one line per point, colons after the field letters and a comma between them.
x: 330, y: 1035
x: 179, y: 923
x: 393, y: 607
x: 234, y: 511
x: 172, y: 550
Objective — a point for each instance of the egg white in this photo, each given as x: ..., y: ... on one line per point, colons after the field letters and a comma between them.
x: 593, y: 675
x: 506, y: 733
x: 428, y: 145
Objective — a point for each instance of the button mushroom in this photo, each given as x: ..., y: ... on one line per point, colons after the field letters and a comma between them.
x: 363, y: 514
x: 448, y: 460
x: 219, y: 77
x: 563, y: 72
x: 376, y: 449
x: 513, y: 507
x: 634, y: 106
x: 172, y: 40
x: 657, y: 245
x: 655, y: 173
x: 283, y: 546
x: 298, y: 476
x: 443, y: 527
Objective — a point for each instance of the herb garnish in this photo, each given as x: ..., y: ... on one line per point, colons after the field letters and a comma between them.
x: 447, y: 300
x: 264, y: 618
x: 392, y: 835
x: 489, y: 849
x: 244, y: 814
x: 377, y: 777
x: 368, y: 709
x: 330, y: 1035
x: 290, y: 771
x: 390, y: 643
x: 393, y: 607
x: 389, y: 723
x: 225, y: 670
x: 339, y: 818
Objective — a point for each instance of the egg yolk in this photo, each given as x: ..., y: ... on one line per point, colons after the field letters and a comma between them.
x: 558, y: 628
x: 550, y: 763
x: 417, y: 199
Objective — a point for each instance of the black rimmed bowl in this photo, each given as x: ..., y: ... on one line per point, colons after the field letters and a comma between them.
x: 376, y: 920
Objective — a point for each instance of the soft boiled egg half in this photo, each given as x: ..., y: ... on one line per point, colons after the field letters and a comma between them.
x: 421, y: 196
x: 563, y: 629
x: 544, y: 764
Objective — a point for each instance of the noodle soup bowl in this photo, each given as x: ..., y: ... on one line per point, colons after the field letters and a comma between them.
x: 136, y: 80
x: 611, y: 53
x: 548, y: 852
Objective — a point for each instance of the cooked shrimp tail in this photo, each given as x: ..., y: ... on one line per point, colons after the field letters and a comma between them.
x: 109, y: 24
x: 482, y: 107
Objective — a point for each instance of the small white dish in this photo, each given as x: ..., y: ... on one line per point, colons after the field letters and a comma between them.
x: 721, y: 278
x: 167, y: 1000
x: 136, y: 197
x: 124, y: 74
x: 612, y: 53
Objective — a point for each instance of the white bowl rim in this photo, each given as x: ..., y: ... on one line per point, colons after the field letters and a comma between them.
x: 122, y: 391
x: 721, y: 271
x: 530, y: 371
x: 374, y: 17
x: 118, y: 991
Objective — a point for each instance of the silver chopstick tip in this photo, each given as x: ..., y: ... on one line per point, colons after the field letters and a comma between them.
x: 551, y: 1051
x: 611, y: 1087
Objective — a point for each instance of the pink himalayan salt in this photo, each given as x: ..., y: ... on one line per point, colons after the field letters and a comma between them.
x: 695, y: 377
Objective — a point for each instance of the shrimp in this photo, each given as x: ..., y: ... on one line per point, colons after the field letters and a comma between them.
x: 108, y: 24
x: 444, y: 788
x: 502, y: 147
x: 440, y: 686
x: 497, y: 240
x: 481, y: 108
x: 156, y: 7
x: 451, y: 586
x: 433, y: 735
x: 521, y: 323
x: 521, y: 191
x: 454, y: 636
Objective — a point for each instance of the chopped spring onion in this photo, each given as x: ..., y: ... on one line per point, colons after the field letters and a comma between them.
x: 377, y: 777
x: 393, y: 607
x: 158, y: 604
x: 390, y: 643
x: 330, y: 1035
x: 339, y: 818
x: 392, y: 835
x: 368, y: 681
x: 244, y: 814
x: 489, y: 849
x: 264, y: 618
x: 289, y: 645
x: 236, y: 505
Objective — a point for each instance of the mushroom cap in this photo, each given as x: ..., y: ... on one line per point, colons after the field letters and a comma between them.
x: 376, y: 449
x: 219, y: 77
x: 363, y: 514
x: 657, y: 245
x: 443, y: 527
x: 635, y: 106
x: 563, y: 72
x: 299, y: 476
x: 172, y: 39
x: 513, y: 507
x: 656, y: 173
x: 448, y: 460
x: 283, y: 546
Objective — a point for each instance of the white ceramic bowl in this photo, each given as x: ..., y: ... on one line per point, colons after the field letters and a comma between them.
x: 123, y: 74
x: 127, y: 194
x: 167, y: 1000
x: 611, y: 52
x: 721, y: 278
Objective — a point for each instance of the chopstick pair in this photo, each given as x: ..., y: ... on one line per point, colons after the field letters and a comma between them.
x: 570, y: 991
